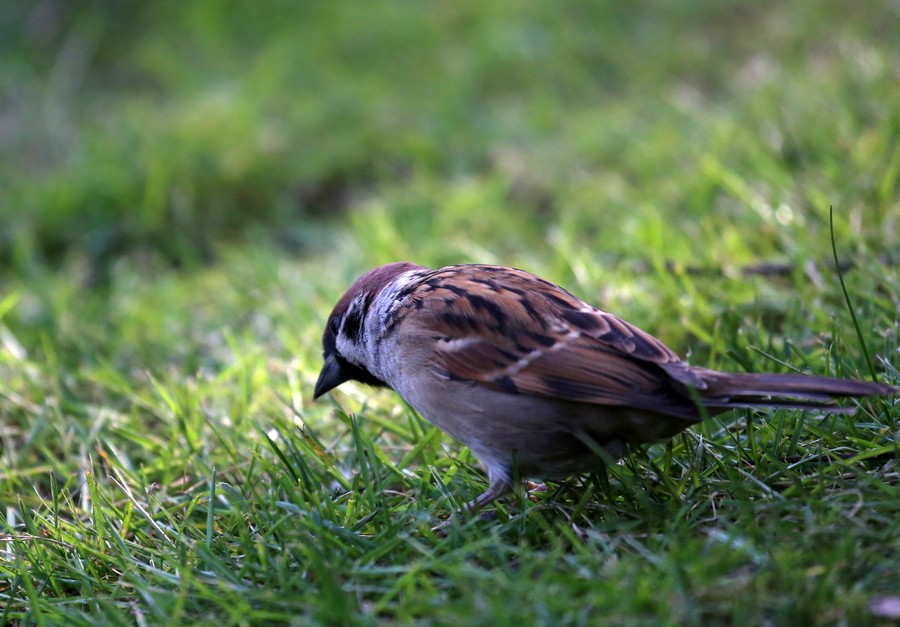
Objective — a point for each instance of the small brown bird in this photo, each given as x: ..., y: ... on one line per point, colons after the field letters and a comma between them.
x: 524, y: 373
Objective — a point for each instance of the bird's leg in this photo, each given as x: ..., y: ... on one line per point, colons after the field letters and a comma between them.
x: 500, y: 482
x: 498, y: 488
x: 499, y: 485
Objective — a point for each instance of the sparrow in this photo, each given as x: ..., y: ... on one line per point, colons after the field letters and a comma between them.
x: 536, y: 382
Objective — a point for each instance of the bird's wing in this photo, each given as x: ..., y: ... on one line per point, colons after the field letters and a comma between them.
x: 511, y: 331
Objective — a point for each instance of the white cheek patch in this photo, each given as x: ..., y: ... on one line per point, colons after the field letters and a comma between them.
x: 352, y: 348
x: 344, y: 346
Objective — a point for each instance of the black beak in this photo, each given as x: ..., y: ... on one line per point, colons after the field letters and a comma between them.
x: 331, y: 376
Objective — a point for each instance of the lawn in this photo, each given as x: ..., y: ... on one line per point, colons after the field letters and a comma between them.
x: 187, y: 188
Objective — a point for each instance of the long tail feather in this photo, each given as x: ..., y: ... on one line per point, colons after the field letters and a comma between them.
x: 794, y: 391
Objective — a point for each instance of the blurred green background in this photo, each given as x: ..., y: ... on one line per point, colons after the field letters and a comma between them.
x: 187, y: 187
x: 169, y: 128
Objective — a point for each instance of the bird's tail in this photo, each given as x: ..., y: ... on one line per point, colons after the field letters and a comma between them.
x: 790, y: 391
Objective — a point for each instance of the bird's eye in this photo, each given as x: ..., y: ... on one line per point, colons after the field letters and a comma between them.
x: 335, y: 325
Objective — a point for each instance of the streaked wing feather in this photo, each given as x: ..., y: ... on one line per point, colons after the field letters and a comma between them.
x: 511, y: 331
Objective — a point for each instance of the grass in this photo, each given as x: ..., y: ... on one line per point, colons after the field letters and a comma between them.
x: 183, y: 201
